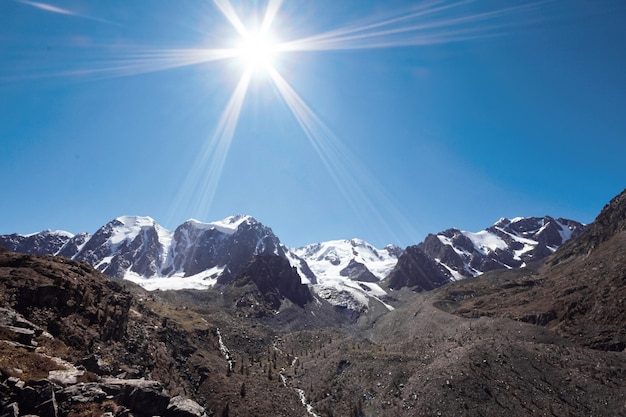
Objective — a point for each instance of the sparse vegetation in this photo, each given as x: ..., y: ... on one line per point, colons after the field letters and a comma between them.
x: 21, y: 363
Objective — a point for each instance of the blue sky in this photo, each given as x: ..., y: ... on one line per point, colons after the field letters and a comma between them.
x: 421, y: 115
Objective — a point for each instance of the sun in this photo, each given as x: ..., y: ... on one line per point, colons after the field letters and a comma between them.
x: 257, y: 51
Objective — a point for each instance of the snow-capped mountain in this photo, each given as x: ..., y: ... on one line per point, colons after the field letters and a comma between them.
x: 507, y: 244
x: 139, y: 249
x: 347, y: 272
x: 126, y: 244
x: 461, y: 254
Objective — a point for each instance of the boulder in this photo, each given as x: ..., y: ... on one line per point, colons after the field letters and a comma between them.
x: 184, y: 407
x: 39, y: 398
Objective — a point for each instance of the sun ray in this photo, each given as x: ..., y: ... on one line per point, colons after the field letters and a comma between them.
x: 347, y: 172
x: 199, y: 188
x: 58, y: 10
x: 141, y: 62
x: 131, y: 62
x: 231, y: 15
x: 270, y: 13
x: 411, y: 29
x: 323, y: 41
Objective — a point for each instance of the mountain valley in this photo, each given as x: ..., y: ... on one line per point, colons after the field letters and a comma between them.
x: 524, y: 318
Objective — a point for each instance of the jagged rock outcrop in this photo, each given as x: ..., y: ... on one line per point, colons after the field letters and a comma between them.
x: 124, y: 244
x: 197, y: 247
x: 52, y: 310
x: 47, y: 242
x: 356, y: 271
x: 610, y: 222
x: 505, y: 245
x: 416, y: 271
x: 118, y: 397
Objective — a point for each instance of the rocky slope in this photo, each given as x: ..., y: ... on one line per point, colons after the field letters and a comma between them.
x: 73, y: 342
x: 57, y: 318
x: 545, y: 339
x: 580, y: 292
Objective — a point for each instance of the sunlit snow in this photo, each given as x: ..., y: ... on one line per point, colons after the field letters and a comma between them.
x: 228, y: 226
x: 486, y: 241
x: 132, y: 226
x: 327, y: 260
x: 202, y: 281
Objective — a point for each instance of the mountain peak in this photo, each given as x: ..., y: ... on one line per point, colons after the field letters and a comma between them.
x: 136, y: 221
x: 228, y: 226
x: 49, y: 232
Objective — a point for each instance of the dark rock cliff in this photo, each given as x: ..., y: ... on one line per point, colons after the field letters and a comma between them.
x: 417, y: 271
x: 273, y: 279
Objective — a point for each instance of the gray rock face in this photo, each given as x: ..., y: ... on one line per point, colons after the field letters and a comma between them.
x: 124, y: 244
x: 357, y: 271
x: 184, y: 407
x: 274, y: 279
x: 38, y: 398
x: 73, y: 246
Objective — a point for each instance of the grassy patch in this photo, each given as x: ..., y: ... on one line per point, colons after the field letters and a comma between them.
x: 24, y: 364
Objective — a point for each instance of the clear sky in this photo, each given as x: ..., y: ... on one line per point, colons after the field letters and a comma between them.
x: 382, y: 120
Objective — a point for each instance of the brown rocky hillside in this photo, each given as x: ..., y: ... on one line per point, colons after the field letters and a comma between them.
x: 73, y: 342
x: 579, y: 293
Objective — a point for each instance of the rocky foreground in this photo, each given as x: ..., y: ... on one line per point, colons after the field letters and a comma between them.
x: 42, y: 367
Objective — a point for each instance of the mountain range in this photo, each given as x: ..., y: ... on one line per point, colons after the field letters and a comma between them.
x: 532, y: 337
x: 348, y: 273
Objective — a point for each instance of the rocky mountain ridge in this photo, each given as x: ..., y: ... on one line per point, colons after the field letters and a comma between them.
x: 349, y: 274
x: 453, y: 254
x: 139, y: 246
